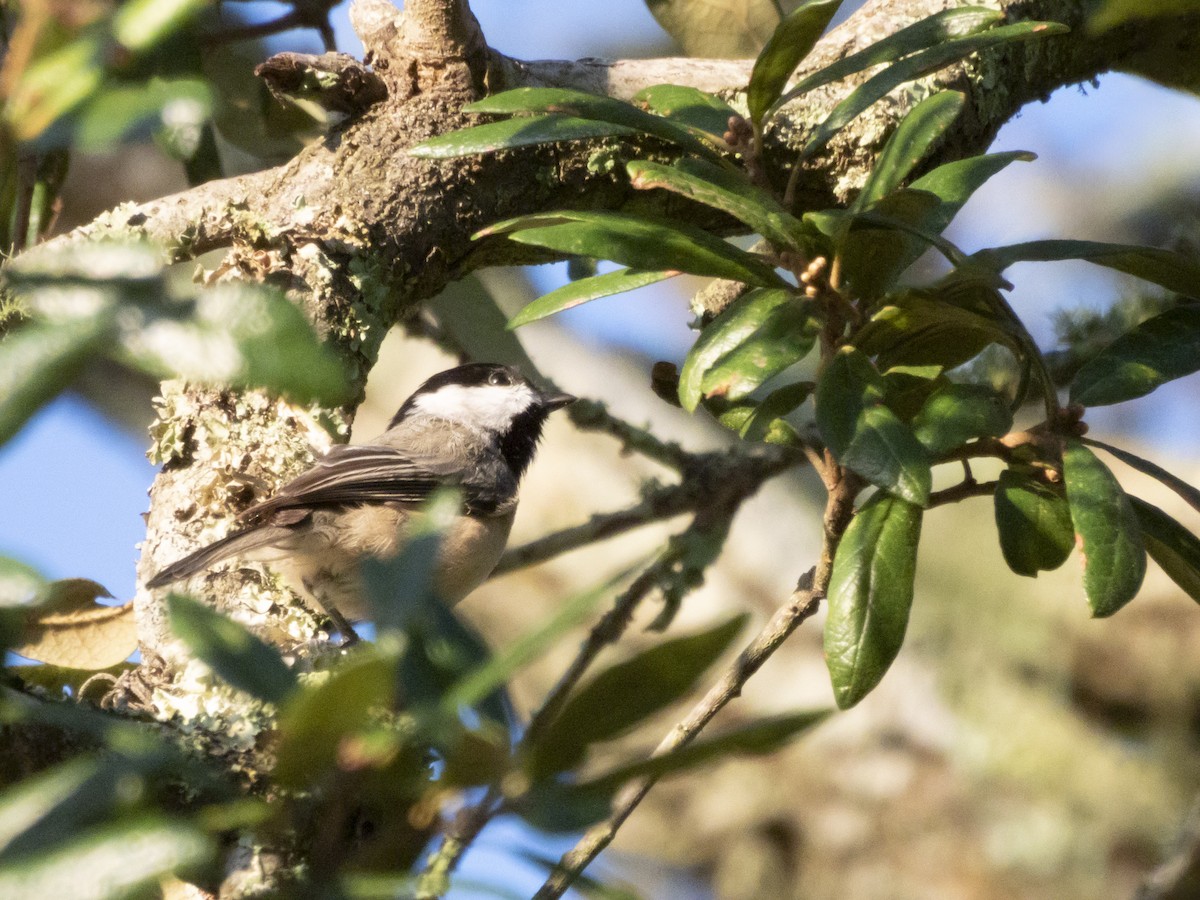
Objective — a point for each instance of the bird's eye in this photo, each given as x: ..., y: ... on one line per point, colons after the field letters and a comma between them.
x: 499, y: 378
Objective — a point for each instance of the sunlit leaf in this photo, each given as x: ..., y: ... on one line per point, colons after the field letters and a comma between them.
x: 1034, y: 524
x: 953, y: 183
x: 717, y: 29
x: 792, y: 40
x: 957, y: 413
x: 139, y: 24
x: 511, y: 133
x: 230, y: 650
x: 641, y: 243
x: 762, y: 421
x: 585, y: 290
x: 1106, y: 530
x: 870, y: 594
x: 916, y: 329
x: 689, y: 106
x: 67, y: 627
x: 1173, y: 547
x: 1158, y: 350
x: 1190, y: 494
x: 863, y: 434
x: 910, y: 142
x: 627, y: 693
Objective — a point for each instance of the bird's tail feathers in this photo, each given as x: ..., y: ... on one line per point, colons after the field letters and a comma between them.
x: 237, y: 544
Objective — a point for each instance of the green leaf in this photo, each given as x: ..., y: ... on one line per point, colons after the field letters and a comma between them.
x: 757, y: 738
x: 1106, y: 529
x: 918, y: 65
x: 957, y: 413
x: 121, y: 113
x: 785, y: 337
x: 928, y: 32
x: 730, y: 192
x: 1158, y: 350
x: 1173, y: 547
x: 910, y: 142
x: 140, y: 24
x: 315, y: 720
x: 792, y: 40
x: 689, y: 106
x: 863, y: 434
x: 39, y: 361
x: 918, y: 329
x: 954, y: 182
x: 625, y: 694
x: 115, y: 859
x: 567, y: 102
x: 763, y: 421
x: 753, y: 313
x: 230, y: 650
x: 58, y: 797
x: 640, y: 243
x: 717, y: 29
x: 1034, y: 524
x: 512, y: 133
x: 1190, y: 494
x: 870, y: 594
x: 243, y: 335
x: 583, y: 291
x: 1174, y: 271
x: 1111, y: 13
x: 53, y: 86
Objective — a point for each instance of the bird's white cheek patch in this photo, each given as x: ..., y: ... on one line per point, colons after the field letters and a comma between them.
x: 489, y: 406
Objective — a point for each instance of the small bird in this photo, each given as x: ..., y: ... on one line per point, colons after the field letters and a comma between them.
x: 474, y: 428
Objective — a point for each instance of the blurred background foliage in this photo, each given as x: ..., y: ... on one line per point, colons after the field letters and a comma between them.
x: 1018, y: 748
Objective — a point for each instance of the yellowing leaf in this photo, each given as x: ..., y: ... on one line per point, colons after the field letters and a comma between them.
x: 70, y: 629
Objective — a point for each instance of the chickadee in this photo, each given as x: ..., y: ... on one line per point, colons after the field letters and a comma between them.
x: 474, y: 428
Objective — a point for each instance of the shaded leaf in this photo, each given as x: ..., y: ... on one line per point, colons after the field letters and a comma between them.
x: 913, y: 138
x: 640, y: 243
x: 792, y: 40
x: 785, y: 337
x: 230, y: 650
x: 870, y: 594
x: 585, y: 290
x: 511, y: 133
x: 762, y: 421
x: 38, y: 361
x: 1158, y: 350
x: 689, y: 106
x: 953, y: 183
x: 928, y: 32
x: 1173, y: 547
x: 730, y: 192
x: 1111, y: 13
x: 720, y: 29
x: 1034, y: 524
x: 1106, y: 530
x: 1168, y: 269
x: 62, y: 681
x: 918, y: 65
x: 627, y: 693
x: 594, y: 107
x: 917, y: 329
x: 68, y: 628
x: 1190, y: 494
x: 957, y: 413
x: 863, y: 434
x: 736, y: 325
x: 121, y: 113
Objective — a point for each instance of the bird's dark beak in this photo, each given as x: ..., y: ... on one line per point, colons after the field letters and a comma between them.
x: 557, y: 400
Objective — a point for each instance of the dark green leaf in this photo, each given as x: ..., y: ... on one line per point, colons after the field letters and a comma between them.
x: 115, y: 859
x: 1173, y: 547
x: 584, y: 290
x: 955, y: 182
x: 36, y: 812
x: 567, y: 102
x: 38, y: 361
x: 313, y: 723
x: 230, y: 650
x: 1190, y: 494
x: 870, y: 594
x: 1106, y: 529
x: 928, y: 32
x: 736, y: 325
x: 957, y: 413
x: 913, y: 138
x: 761, y: 737
x: 1159, y: 350
x: 863, y: 434
x: 1174, y: 271
x: 785, y: 337
x: 917, y: 329
x: 640, y: 243
x: 1034, y: 524
x: 761, y: 421
x: 793, y: 40
x: 919, y: 65
x: 730, y: 192
x: 1111, y: 13
x: 627, y: 693
x: 511, y: 133
x: 689, y: 106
